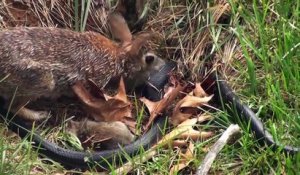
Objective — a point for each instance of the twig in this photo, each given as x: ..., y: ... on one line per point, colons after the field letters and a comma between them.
x: 211, y: 155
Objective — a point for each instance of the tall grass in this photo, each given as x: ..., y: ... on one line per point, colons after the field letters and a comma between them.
x: 257, y: 50
x: 268, y: 32
x: 83, y: 11
x: 269, y: 38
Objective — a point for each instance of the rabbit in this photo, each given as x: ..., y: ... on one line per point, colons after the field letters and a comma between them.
x: 150, y: 61
x: 111, y: 133
x: 46, y: 62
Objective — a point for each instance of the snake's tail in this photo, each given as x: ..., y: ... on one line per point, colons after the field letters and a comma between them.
x: 245, y: 114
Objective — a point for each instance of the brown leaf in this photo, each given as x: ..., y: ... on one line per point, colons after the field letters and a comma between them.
x: 179, y: 143
x: 84, y: 95
x: 104, y: 107
x: 189, y: 154
x: 184, y: 131
x: 95, y: 90
x: 151, y: 106
x: 186, y: 107
x: 193, y: 101
x: 186, y: 159
x: 121, y: 95
x: 156, y: 108
x: 118, y: 106
x: 185, y: 126
x: 112, y: 110
x: 198, y: 91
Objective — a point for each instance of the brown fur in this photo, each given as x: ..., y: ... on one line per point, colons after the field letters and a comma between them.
x: 113, y: 133
x: 48, y: 61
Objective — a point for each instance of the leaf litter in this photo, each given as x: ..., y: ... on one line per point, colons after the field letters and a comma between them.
x: 112, y: 122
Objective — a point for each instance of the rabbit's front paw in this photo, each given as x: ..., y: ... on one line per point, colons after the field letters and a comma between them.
x: 33, y: 115
x: 42, y: 115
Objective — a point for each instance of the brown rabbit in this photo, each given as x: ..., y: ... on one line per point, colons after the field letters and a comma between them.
x: 110, y: 133
x: 149, y: 61
x: 48, y: 61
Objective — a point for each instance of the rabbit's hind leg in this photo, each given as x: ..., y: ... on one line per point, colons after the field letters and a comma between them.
x: 27, y: 81
x: 18, y: 106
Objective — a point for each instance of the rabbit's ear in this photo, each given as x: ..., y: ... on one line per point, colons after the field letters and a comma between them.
x: 118, y: 27
x: 139, y: 42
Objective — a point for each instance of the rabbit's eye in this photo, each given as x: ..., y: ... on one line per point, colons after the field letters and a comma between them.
x: 143, y: 50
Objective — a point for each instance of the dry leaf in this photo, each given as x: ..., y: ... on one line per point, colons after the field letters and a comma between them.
x: 179, y: 143
x: 113, y: 110
x: 95, y: 90
x: 185, y: 160
x: 84, y: 95
x: 193, y: 101
x: 156, y: 108
x: 101, y: 106
x: 198, y: 91
x: 121, y: 95
x: 187, y: 107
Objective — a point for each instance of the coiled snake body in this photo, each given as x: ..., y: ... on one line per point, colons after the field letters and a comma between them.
x: 77, y: 159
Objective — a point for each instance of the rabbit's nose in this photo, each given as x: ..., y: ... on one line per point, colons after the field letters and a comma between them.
x: 149, y: 59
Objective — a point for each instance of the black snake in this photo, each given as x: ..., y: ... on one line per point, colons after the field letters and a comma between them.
x: 77, y: 159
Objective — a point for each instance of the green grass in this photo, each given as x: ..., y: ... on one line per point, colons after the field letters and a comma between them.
x: 258, y: 51
x: 268, y: 32
x: 18, y: 157
x: 273, y: 67
x: 79, y: 25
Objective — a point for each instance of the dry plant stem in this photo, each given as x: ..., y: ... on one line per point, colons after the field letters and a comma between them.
x: 127, y: 167
x: 166, y: 140
x: 184, y: 129
x: 8, y: 11
x: 211, y: 155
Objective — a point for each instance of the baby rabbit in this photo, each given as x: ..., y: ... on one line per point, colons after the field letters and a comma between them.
x: 46, y: 62
x: 111, y: 133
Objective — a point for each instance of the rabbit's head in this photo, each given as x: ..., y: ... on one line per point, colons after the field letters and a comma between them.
x: 137, y: 57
